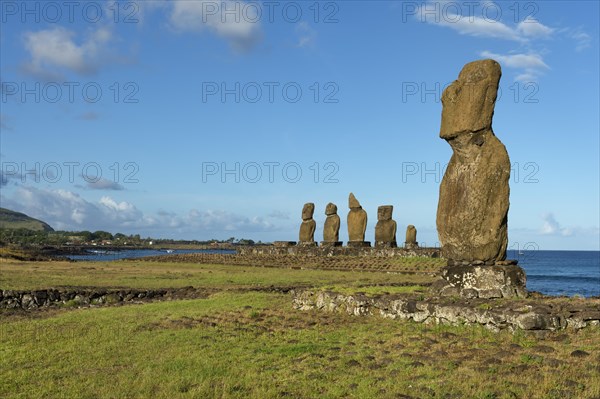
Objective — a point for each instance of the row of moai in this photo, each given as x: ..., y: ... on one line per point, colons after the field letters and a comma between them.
x: 385, y: 230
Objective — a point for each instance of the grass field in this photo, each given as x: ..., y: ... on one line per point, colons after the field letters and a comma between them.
x: 17, y: 275
x: 247, y: 344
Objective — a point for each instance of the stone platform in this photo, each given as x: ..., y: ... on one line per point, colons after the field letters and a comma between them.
x: 335, y: 250
x: 503, y: 280
x: 537, y: 314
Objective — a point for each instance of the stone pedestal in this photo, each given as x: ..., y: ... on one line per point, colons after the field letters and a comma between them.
x: 481, y: 281
x: 386, y: 244
x: 359, y: 244
x: 331, y: 243
x: 307, y: 244
x: 284, y: 243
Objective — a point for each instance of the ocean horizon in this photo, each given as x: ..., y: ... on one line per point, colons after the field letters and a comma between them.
x: 560, y: 272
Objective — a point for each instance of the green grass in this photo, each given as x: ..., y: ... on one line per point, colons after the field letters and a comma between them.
x: 16, y: 220
x: 139, y: 274
x: 247, y: 344
x: 253, y: 345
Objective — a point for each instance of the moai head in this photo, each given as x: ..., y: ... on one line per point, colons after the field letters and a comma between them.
x: 353, y: 202
x: 384, y: 212
x: 331, y: 209
x: 308, y: 210
x: 468, y: 103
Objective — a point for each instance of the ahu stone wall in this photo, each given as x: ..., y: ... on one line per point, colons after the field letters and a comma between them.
x: 337, y: 251
x: 539, y: 315
x: 27, y: 299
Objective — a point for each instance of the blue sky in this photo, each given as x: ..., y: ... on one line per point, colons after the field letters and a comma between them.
x: 201, y: 119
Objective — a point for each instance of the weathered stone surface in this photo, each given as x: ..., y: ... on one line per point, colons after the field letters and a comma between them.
x: 308, y: 226
x: 30, y: 300
x: 357, y: 220
x: 385, y: 229
x: 331, y: 243
x: 474, y: 193
x: 537, y: 315
x: 284, y: 243
x: 411, y: 237
x: 471, y: 281
x: 331, y: 228
x: 359, y: 244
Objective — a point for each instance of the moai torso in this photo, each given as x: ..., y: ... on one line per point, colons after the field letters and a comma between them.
x: 357, y: 220
x: 411, y: 234
x: 385, y: 230
x: 308, y: 226
x: 411, y: 237
x: 331, y: 229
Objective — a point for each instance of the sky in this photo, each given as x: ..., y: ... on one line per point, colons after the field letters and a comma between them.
x: 216, y: 119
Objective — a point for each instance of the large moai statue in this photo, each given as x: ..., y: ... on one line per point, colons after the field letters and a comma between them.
x: 357, y: 224
x: 411, y: 237
x: 331, y: 228
x: 474, y: 193
x: 473, y: 202
x: 385, y: 229
x: 308, y: 226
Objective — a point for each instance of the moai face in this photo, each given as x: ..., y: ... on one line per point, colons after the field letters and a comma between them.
x: 468, y: 103
x: 384, y: 212
x: 331, y: 209
x: 308, y: 210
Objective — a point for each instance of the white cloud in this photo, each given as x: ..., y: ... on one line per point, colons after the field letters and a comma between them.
x: 54, y: 50
x: 527, y: 76
x: 66, y: 210
x: 443, y: 13
x: 582, y: 39
x: 552, y: 227
x: 531, y: 65
x: 531, y: 27
x: 279, y: 215
x: 307, y: 35
x: 518, y: 60
x: 438, y: 13
x: 480, y: 27
x: 104, y: 184
x: 231, y: 20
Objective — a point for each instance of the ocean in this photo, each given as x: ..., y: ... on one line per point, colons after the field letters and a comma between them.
x: 556, y: 273
x: 559, y: 273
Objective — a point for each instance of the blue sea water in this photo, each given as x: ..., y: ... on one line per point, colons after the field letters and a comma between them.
x: 561, y: 272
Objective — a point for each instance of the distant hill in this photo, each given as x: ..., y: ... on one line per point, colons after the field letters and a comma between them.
x: 16, y: 220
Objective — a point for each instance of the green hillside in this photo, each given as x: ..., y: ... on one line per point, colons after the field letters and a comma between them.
x: 16, y: 220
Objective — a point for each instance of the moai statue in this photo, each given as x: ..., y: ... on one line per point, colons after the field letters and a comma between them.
x: 473, y: 203
x: 472, y: 214
x: 308, y: 226
x: 331, y: 229
x: 411, y: 237
x: 385, y: 230
x: 357, y: 224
